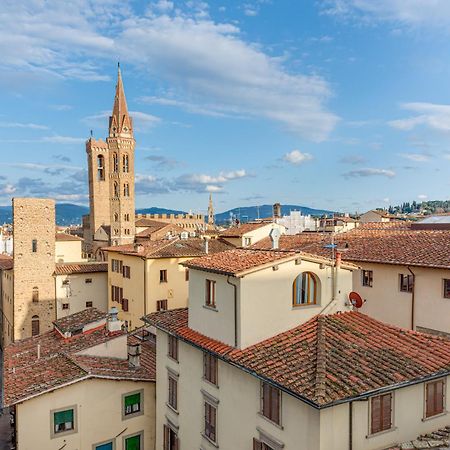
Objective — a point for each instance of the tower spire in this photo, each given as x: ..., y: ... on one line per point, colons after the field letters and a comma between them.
x: 210, y: 211
x: 120, y: 122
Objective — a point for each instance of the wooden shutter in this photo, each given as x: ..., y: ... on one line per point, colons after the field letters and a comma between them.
x: 375, y: 415
x: 166, y: 437
x: 386, y: 411
x: 176, y: 443
x: 257, y: 445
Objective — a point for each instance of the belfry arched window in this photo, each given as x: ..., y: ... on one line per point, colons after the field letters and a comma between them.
x: 116, y: 189
x: 305, y: 289
x: 100, y: 168
x: 35, y: 294
x: 126, y: 190
x: 125, y: 163
x: 115, y: 163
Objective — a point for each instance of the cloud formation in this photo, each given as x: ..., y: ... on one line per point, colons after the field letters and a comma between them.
x: 296, y: 157
x: 369, y: 172
x: 430, y: 115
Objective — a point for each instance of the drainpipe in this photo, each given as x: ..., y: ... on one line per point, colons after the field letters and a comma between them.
x: 413, y: 306
x: 235, y: 311
x: 350, y: 426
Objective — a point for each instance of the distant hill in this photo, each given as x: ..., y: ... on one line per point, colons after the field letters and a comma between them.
x: 247, y: 213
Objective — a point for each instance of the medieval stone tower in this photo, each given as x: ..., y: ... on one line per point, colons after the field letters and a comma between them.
x: 111, y: 175
x: 34, y: 266
x: 210, y: 211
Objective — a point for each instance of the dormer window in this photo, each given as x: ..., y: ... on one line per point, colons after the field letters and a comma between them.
x: 305, y: 289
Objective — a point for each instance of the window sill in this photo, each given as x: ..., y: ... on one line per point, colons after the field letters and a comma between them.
x: 426, y: 419
x: 175, y: 411
x: 271, y: 421
x: 211, y: 308
x: 173, y: 359
x: 209, y: 440
x: 306, y: 306
x: 132, y: 415
x: 381, y: 433
x: 210, y: 383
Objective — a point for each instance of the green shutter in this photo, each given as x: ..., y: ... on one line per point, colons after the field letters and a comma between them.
x: 63, y: 416
x: 132, y: 399
x: 133, y: 443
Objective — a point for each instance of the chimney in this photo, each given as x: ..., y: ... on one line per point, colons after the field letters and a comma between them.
x: 39, y: 351
x: 338, y: 259
x: 275, y: 238
x: 276, y: 211
x: 114, y: 324
x: 138, y: 248
x: 206, y: 238
x: 134, y: 355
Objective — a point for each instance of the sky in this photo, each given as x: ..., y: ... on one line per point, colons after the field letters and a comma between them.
x: 333, y: 104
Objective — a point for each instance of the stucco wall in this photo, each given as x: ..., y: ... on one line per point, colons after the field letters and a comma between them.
x: 99, y: 410
x: 68, y: 251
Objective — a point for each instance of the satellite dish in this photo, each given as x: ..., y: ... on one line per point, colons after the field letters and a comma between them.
x: 355, y: 299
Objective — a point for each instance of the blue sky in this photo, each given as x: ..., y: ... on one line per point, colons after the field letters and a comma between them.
x: 339, y: 104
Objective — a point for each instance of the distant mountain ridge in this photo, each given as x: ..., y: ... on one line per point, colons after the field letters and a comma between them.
x: 71, y: 214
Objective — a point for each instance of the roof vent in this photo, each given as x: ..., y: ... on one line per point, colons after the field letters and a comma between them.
x: 114, y: 324
x: 275, y: 238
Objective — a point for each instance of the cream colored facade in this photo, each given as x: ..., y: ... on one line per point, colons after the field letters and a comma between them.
x: 263, y: 300
x: 7, y: 316
x: 68, y: 251
x: 98, y: 405
x: 384, y: 300
x: 190, y: 222
x: 78, y: 291
x: 143, y: 289
x: 254, y: 236
x: 374, y: 216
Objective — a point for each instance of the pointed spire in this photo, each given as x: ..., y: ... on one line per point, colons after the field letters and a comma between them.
x: 120, y: 122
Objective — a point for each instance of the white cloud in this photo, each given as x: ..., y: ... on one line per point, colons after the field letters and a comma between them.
x: 431, y: 115
x: 32, y: 126
x: 164, y: 5
x: 409, y: 12
x: 296, y: 157
x: 7, y: 189
x: 422, y: 196
x: 416, y: 157
x: 142, y: 121
x: 56, y: 139
x: 370, y: 172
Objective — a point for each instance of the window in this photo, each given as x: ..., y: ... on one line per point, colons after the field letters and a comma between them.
x: 126, y: 271
x: 126, y: 217
x: 210, y: 422
x: 367, y: 278
x: 35, y: 328
x: 258, y: 445
x: 125, y: 304
x: 173, y: 392
x: 163, y: 276
x: 161, y: 305
x: 116, y: 265
x: 173, y: 347
x: 447, y: 288
x: 171, y: 441
x: 115, y: 163
x: 247, y: 241
x: 270, y: 402
x: 65, y: 306
x: 66, y: 282
x: 89, y: 304
x: 88, y: 280
x: 35, y: 294
x: 186, y: 275
x: 305, y: 289
x: 63, y: 421
x: 210, y: 293
x: 100, y: 168
x: 105, y: 446
x: 116, y: 294
x: 116, y: 189
x: 406, y: 283
x: 381, y: 413
x: 434, y: 398
x: 34, y: 245
x: 116, y: 217
x: 134, y: 442
x: 210, y: 368
x: 125, y: 161
x: 132, y: 404
x: 126, y: 190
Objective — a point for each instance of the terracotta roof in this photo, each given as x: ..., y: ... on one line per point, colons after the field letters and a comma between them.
x: 77, y: 321
x: 59, y: 364
x: 239, y: 231
x: 6, y: 262
x: 88, y: 267
x: 385, y: 245
x: 172, y: 248
x: 67, y: 237
x: 331, y: 358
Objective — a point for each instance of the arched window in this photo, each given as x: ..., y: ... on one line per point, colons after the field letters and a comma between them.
x: 35, y: 294
x: 126, y: 190
x: 116, y: 189
x: 35, y: 326
x: 100, y: 168
x: 126, y: 165
x: 305, y: 289
x: 115, y: 163
x: 116, y: 217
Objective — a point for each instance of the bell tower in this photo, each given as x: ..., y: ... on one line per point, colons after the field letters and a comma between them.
x: 121, y: 145
x: 210, y: 211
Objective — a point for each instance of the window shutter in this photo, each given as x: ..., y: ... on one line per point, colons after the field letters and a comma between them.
x: 439, y: 397
x: 376, y: 414
x: 386, y: 411
x: 63, y: 416
x: 166, y: 437
x: 176, y: 444
x: 430, y: 400
x: 132, y: 399
x: 257, y: 445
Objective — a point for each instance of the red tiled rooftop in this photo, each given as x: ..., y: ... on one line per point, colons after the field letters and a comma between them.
x: 77, y: 321
x: 330, y: 358
x: 66, y: 237
x: 6, y: 262
x: 240, y: 230
x: 73, y: 268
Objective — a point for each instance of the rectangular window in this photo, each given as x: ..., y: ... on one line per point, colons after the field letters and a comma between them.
x: 63, y: 421
x: 446, y: 288
x: 133, y: 442
x: 247, y: 241
x: 132, y: 403
x: 406, y: 283
x: 186, y: 275
x: 163, y: 276
x: 381, y: 413
x: 210, y: 422
x: 210, y: 368
x: 367, y: 278
x: 271, y: 403
x: 173, y: 392
x: 126, y: 271
x: 259, y: 445
x: 88, y: 304
x: 65, y: 306
x: 88, y: 280
x: 125, y: 304
x: 173, y: 347
x: 34, y: 245
x: 66, y: 282
x: 116, y: 294
x: 210, y: 293
x: 105, y: 446
x: 161, y: 305
x: 171, y: 441
x: 434, y: 398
